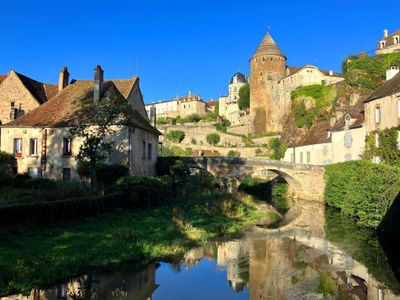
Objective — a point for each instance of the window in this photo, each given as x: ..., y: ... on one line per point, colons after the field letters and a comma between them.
x: 377, y: 141
x: 382, y: 45
x: 143, y: 149
x: 67, y: 147
x: 377, y: 114
x: 149, y: 151
x: 301, y: 157
x: 396, y: 39
x: 347, y: 139
x: 292, y: 157
x: 308, y: 156
x: 17, y: 147
x: 66, y: 174
x: 33, y: 146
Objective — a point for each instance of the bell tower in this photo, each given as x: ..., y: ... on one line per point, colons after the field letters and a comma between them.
x: 267, y: 67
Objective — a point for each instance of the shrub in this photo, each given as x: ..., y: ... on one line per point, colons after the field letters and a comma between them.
x: 256, y: 187
x: 193, y: 141
x: 233, y: 153
x: 193, y: 118
x: 107, y: 175
x: 278, y: 148
x: 7, y: 163
x: 362, y: 189
x: 175, y: 136
x: 223, y: 125
x: 144, y: 191
x: 213, y: 138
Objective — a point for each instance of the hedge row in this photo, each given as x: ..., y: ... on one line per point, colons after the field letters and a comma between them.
x: 47, y: 213
x: 362, y: 189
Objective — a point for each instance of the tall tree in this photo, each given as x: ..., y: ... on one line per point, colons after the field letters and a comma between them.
x: 94, y: 124
x: 244, y: 97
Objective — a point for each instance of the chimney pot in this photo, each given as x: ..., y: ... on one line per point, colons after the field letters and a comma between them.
x: 385, y: 33
x: 391, y: 72
x: 153, y: 116
x: 63, y: 78
x: 98, y: 83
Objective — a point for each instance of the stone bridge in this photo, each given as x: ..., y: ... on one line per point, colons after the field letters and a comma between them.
x: 306, y: 182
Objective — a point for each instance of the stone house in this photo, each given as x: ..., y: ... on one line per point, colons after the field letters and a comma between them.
x: 271, y: 84
x: 20, y: 94
x: 328, y: 143
x: 179, y: 106
x: 41, y: 141
x: 389, y: 43
x: 382, y: 108
x: 229, y: 105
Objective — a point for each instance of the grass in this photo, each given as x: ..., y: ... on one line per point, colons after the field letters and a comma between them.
x: 38, y: 256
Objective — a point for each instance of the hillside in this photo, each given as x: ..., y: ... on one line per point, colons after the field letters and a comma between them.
x: 314, y: 106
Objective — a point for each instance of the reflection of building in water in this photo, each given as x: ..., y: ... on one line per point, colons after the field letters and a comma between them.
x: 109, y: 286
x: 234, y: 256
x: 269, y: 269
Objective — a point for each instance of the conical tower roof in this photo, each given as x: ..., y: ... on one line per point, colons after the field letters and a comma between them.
x: 268, y: 47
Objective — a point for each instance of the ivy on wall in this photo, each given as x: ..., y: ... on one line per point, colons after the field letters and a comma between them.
x: 386, y: 147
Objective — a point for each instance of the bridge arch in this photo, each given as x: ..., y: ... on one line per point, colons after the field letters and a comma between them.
x: 306, y: 182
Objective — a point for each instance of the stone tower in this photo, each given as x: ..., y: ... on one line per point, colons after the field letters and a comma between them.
x: 267, y: 67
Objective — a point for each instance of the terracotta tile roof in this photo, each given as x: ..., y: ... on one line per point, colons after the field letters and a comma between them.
x: 388, y: 88
x: 316, y: 135
x: 37, y: 89
x: 71, y: 104
x: 125, y: 85
x: 356, y: 113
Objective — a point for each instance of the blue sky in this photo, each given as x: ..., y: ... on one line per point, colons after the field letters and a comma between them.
x: 175, y: 46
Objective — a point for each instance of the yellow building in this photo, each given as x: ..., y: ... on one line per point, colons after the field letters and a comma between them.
x: 40, y: 140
x: 180, y: 106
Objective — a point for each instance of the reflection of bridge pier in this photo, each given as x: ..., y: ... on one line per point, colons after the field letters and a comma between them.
x: 305, y: 181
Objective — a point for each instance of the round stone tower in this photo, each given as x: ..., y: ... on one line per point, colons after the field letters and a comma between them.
x: 267, y: 67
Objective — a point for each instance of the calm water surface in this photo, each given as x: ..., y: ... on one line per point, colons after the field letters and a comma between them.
x: 346, y: 262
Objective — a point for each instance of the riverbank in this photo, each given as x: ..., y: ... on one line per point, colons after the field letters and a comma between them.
x: 38, y: 256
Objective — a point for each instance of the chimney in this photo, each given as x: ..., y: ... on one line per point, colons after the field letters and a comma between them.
x: 153, y: 116
x: 391, y: 72
x: 98, y: 83
x: 330, y: 73
x: 63, y: 78
x: 385, y: 33
x: 190, y: 93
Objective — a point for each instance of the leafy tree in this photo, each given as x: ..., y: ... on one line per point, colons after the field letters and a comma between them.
x: 96, y: 122
x: 175, y: 136
x: 213, y: 138
x: 278, y: 148
x: 244, y: 97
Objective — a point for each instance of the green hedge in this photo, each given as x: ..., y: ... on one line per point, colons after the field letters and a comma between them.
x: 362, y: 189
x: 47, y: 213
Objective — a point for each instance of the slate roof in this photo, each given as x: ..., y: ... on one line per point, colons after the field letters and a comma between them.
x: 72, y: 104
x: 241, y: 78
x: 268, y: 47
x: 389, y: 40
x: 388, y: 88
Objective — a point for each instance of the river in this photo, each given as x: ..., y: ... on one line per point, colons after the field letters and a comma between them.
x: 342, y: 262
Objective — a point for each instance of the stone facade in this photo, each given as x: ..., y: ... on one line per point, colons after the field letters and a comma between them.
x: 389, y: 43
x: 19, y: 95
x: 229, y: 105
x: 272, y: 82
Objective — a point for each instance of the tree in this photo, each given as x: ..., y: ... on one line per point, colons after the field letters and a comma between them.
x: 244, y: 97
x: 233, y: 153
x: 213, y: 138
x: 175, y: 136
x: 95, y: 122
x: 278, y: 148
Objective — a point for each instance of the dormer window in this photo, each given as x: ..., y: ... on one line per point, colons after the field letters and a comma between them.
x: 347, y: 120
x: 382, y: 44
x: 396, y: 39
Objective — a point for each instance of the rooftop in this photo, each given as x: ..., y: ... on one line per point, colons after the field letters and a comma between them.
x: 388, y: 88
x: 268, y: 47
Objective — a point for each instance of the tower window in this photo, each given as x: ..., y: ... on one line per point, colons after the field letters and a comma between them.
x: 272, y: 58
x: 263, y: 59
x: 377, y: 114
